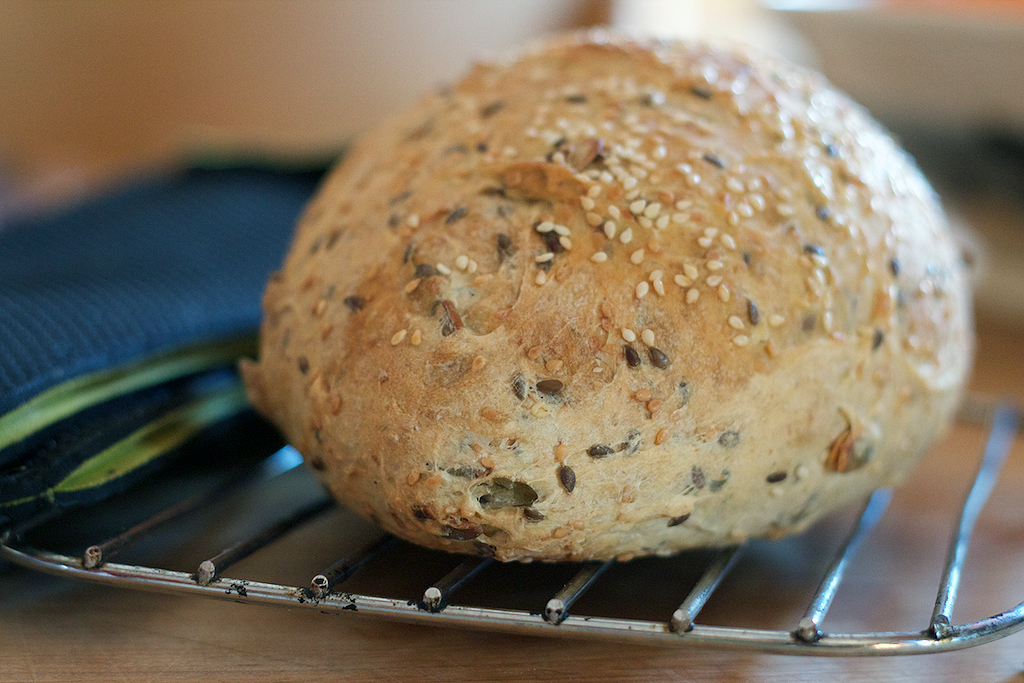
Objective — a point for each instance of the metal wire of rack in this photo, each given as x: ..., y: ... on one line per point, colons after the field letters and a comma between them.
x: 437, y: 604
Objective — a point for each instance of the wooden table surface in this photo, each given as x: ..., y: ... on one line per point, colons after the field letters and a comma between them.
x: 56, y: 629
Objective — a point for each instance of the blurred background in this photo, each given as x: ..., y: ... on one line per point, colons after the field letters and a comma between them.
x: 97, y: 92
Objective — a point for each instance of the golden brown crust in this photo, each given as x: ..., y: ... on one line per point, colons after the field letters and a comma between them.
x: 616, y: 298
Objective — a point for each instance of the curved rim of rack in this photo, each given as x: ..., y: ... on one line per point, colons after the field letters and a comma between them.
x: 516, y: 621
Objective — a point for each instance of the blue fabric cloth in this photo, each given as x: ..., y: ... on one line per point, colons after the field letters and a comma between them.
x: 165, y: 262
x: 168, y: 262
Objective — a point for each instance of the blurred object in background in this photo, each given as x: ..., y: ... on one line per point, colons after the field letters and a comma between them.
x: 93, y: 89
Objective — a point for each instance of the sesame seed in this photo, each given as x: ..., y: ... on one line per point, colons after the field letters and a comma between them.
x: 692, y: 295
x: 735, y: 322
x: 545, y: 226
x: 628, y: 334
x: 562, y: 230
x: 565, y: 242
x: 587, y: 203
x: 684, y: 204
x: 661, y: 437
x: 546, y: 256
x: 538, y: 410
x: 479, y: 362
x: 398, y: 337
x: 629, y: 182
x: 614, y: 211
x: 723, y: 293
x: 714, y: 265
x: 652, y: 210
x: 637, y: 207
x: 691, y: 271
x: 594, y: 219
x: 627, y: 236
x: 705, y: 242
x: 728, y: 241
x: 412, y: 285
x: 599, y: 257
x: 734, y: 184
x: 417, y: 337
x: 443, y: 269
x: 683, y: 281
x: 713, y: 280
x: 711, y: 232
x: 775, y: 320
x: 637, y: 257
x: 413, y: 220
x: 645, y: 222
x: 659, y: 287
x: 462, y: 262
x: 647, y: 337
x: 745, y: 210
x: 741, y: 340
x: 784, y: 209
x: 662, y: 222
x: 641, y: 289
x: 472, y: 267
x: 541, y: 278
x: 593, y: 192
x: 656, y: 275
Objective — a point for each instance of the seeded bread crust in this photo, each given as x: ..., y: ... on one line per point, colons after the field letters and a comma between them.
x: 616, y: 298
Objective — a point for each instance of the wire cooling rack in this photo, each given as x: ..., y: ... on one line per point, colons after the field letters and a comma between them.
x: 384, y: 577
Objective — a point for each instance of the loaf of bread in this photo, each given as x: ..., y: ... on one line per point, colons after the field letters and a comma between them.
x: 614, y: 298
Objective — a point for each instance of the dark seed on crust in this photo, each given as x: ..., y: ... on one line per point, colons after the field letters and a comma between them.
x: 676, y: 521
x: 504, y: 247
x: 831, y: 151
x: 697, y: 477
x: 658, y: 358
x: 393, y: 220
x: 451, y: 321
x: 425, y: 270
x: 553, y: 243
x: 422, y: 513
x: 503, y: 492
x: 822, y: 212
x: 519, y: 387
x: 728, y: 439
x: 317, y: 463
x: 714, y: 160
x: 752, y: 313
x: 481, y: 147
x: 746, y: 257
x: 877, y: 340
x: 894, y: 266
x: 492, y: 109
x: 775, y: 477
x: 632, y: 357
x: 533, y: 514
x: 567, y: 478
x: 814, y: 249
x: 400, y: 197
x: 456, y: 215
x: 408, y: 253
x: 549, y: 386
x: 354, y: 303
x: 810, y: 320
x: 684, y: 392
x: 599, y: 451
x: 303, y: 364
x: 461, y: 533
x: 576, y: 99
x: 700, y: 92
